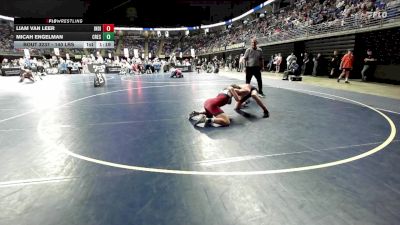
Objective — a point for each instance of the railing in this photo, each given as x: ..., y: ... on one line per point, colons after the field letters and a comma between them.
x: 351, y: 24
x: 390, y: 17
x: 368, y: 22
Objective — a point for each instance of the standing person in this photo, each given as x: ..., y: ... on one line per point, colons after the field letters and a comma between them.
x: 346, y: 66
x: 289, y: 60
x: 237, y: 63
x: 270, y: 64
x: 300, y: 61
x: 230, y: 62
x: 241, y: 62
x: 254, y: 62
x: 198, y: 64
x: 369, y: 62
x: 278, y: 63
x: 306, y: 65
x: 334, y: 64
x: 317, y: 65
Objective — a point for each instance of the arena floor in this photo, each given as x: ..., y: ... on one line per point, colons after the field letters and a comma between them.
x: 126, y: 153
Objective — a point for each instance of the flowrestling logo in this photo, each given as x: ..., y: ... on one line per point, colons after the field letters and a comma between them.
x: 54, y: 21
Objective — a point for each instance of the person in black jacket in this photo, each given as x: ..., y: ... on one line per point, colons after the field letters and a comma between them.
x: 305, y: 69
x: 368, y: 69
x: 334, y: 65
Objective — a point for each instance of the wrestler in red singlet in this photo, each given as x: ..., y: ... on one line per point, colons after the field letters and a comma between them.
x: 213, y: 112
x: 212, y: 105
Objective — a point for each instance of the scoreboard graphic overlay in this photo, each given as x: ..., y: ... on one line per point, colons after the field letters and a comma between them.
x: 62, y: 33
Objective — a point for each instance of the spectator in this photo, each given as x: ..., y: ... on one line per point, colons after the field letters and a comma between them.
x: 289, y: 59
x: 368, y: 69
x: 334, y: 64
x: 270, y: 65
x: 278, y: 63
x: 346, y: 66
x: 318, y: 65
x: 4, y: 63
x: 237, y: 63
x: 241, y: 62
x: 305, y: 70
x: 293, y: 69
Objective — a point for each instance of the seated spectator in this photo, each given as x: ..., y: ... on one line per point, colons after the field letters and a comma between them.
x: 4, y: 63
x: 293, y: 69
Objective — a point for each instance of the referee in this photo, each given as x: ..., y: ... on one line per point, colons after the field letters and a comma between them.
x: 254, y: 62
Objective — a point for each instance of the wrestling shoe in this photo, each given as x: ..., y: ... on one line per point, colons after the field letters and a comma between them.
x: 245, y: 104
x: 193, y: 114
x: 266, y: 114
x: 261, y: 95
x: 202, y: 119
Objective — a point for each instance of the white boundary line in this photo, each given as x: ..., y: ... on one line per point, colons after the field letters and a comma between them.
x: 388, y: 111
x: 176, y: 82
x: 252, y: 157
x: 64, y: 149
x: 35, y: 181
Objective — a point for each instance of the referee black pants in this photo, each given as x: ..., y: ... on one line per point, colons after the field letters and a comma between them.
x: 256, y: 71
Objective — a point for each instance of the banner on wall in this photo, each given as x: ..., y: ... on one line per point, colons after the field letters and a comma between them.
x: 238, y: 45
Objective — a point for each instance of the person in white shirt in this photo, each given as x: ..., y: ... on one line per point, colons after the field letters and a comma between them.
x: 289, y: 60
x: 254, y: 62
x: 241, y: 62
x: 100, y: 59
x: 278, y: 62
